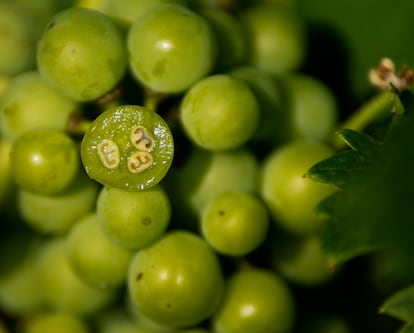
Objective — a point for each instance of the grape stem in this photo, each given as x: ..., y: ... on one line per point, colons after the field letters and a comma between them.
x: 152, y: 99
x: 77, y: 124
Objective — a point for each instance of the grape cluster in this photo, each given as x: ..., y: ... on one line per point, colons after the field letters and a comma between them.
x: 152, y: 162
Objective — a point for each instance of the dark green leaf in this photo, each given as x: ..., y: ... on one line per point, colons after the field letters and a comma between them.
x: 341, y: 168
x: 409, y: 328
x: 400, y: 305
x: 375, y: 210
x: 358, y: 141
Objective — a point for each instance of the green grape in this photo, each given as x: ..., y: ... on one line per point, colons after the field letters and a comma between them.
x: 302, y: 260
x: 128, y: 147
x: 118, y: 321
x: 4, y: 82
x: 19, y: 286
x: 18, y: 37
x: 52, y: 322
x: 133, y: 220
x: 6, y: 183
x: 44, y: 160
x: 255, y: 300
x: 312, y: 108
x: 130, y: 10
x: 29, y: 102
x: 230, y: 36
x: 55, y: 214
x: 62, y: 289
x: 141, y: 320
x: 93, y: 257
x: 206, y: 174
x: 290, y: 196
x: 325, y: 323
x: 193, y: 330
x: 3, y: 327
x: 277, y: 41
x: 219, y: 112
x: 235, y: 223
x: 177, y: 281
x: 170, y: 48
x: 82, y: 53
x: 272, y: 126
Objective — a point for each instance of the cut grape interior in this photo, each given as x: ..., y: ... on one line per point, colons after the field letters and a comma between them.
x: 128, y: 147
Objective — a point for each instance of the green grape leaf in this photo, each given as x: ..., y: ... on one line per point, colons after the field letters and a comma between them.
x: 343, y: 166
x: 358, y: 141
x: 400, y: 304
x: 372, y: 209
x: 408, y: 328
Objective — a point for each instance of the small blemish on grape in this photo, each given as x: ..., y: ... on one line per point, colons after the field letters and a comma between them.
x: 51, y: 25
x: 146, y: 221
x: 159, y: 69
x: 221, y: 212
x: 139, y: 276
x: 168, y: 305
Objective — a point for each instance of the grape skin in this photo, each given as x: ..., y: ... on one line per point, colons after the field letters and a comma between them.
x: 112, y: 164
x: 45, y: 322
x: 93, y: 257
x: 219, y: 112
x: 235, y: 223
x: 29, y: 102
x: 290, y: 196
x: 56, y: 214
x: 133, y: 220
x: 162, y: 59
x: 176, y: 282
x: 44, y: 161
x: 255, y: 300
x: 82, y: 53
x: 62, y: 289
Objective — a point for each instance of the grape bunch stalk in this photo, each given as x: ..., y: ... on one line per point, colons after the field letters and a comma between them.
x: 154, y: 168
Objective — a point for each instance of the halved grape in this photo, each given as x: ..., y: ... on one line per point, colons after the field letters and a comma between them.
x: 128, y: 147
x: 170, y: 48
x: 44, y: 160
